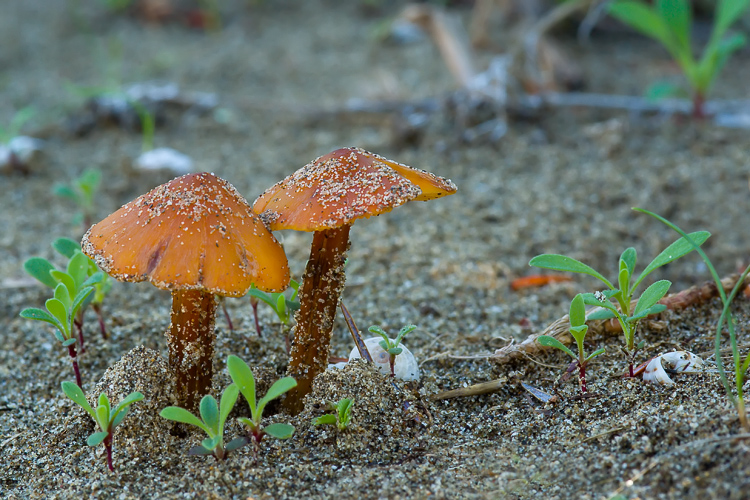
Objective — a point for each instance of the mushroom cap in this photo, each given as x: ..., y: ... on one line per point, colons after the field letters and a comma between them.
x: 194, y: 232
x: 347, y: 184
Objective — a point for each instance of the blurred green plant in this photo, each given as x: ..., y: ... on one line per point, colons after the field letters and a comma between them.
x: 578, y: 329
x: 341, y: 416
x: 392, y: 346
x: 79, y: 268
x: 670, y: 23
x: 13, y: 129
x: 740, y: 365
x: 104, y: 415
x: 69, y: 296
x: 82, y: 190
x: 281, y: 305
x: 627, y: 312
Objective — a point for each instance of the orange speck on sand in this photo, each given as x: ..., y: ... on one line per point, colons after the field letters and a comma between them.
x: 536, y: 280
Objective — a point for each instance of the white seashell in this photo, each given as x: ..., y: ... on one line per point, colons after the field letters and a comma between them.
x: 677, y: 361
x: 405, y: 367
x: 165, y: 159
x: 22, y: 147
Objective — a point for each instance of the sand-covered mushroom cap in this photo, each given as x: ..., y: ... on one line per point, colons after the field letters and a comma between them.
x: 194, y: 232
x: 342, y: 186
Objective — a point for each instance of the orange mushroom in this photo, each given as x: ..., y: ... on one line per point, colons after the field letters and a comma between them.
x: 326, y: 196
x: 196, y: 236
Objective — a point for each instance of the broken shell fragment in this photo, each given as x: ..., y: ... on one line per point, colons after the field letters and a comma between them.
x: 675, y: 362
x: 164, y: 159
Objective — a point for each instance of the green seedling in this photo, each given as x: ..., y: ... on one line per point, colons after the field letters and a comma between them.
x: 243, y: 377
x: 392, y: 346
x: 740, y: 365
x: 13, y: 129
x: 341, y: 417
x: 670, y: 23
x: 63, y: 308
x: 105, y: 417
x: 283, y: 307
x: 82, y: 191
x: 213, y: 417
x: 79, y: 269
x: 627, y: 312
x: 109, y: 98
x: 578, y: 329
x: 69, y: 248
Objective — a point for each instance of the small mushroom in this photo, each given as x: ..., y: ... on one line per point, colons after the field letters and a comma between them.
x: 197, y: 237
x: 326, y: 196
x: 676, y: 362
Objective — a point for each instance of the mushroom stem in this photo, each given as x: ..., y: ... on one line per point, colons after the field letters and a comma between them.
x: 322, y: 284
x: 190, y: 339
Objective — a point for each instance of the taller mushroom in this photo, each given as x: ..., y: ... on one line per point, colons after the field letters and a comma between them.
x: 326, y: 196
x: 197, y: 237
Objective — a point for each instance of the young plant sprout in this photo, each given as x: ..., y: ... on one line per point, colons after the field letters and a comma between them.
x: 79, y: 269
x: 341, y: 417
x: 578, y: 329
x: 243, y: 377
x: 69, y: 248
x: 627, y: 312
x: 62, y: 310
x: 670, y: 23
x: 283, y: 307
x: 392, y: 346
x: 212, y: 421
x: 16, y: 151
x: 105, y: 417
x: 740, y: 365
x: 82, y: 191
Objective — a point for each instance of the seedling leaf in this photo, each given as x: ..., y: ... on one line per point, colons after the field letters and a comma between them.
x: 277, y: 389
x: 96, y: 438
x: 672, y: 252
x: 326, y: 419
x: 75, y: 393
x: 644, y: 19
x: 652, y: 295
x: 243, y: 377
x: 228, y: 398
x: 182, y: 415
x: 279, y: 431
x: 66, y: 247
x: 566, y: 264
x: 236, y: 443
x: 548, y: 341
x: 199, y: 450
x: 39, y: 269
x: 577, y: 312
x: 40, y: 315
x: 209, y: 411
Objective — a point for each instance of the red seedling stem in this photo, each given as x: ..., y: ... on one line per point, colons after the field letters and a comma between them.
x: 100, y: 317
x: 72, y: 354
x: 582, y: 377
x: 108, y: 447
x: 78, y: 321
x: 254, y: 304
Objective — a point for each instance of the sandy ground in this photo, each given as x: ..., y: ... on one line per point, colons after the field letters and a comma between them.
x: 555, y: 183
